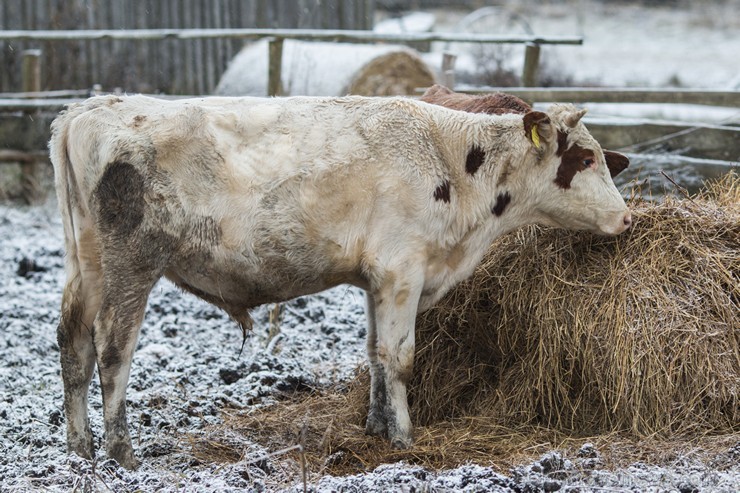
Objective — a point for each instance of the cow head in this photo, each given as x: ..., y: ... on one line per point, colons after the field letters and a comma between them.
x: 572, y: 179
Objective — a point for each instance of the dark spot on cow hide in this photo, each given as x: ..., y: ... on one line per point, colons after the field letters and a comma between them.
x: 442, y: 192
x: 475, y: 159
x: 138, y: 120
x: 119, y: 195
x: 111, y: 357
x: 502, y: 200
x: 562, y: 142
x: 571, y: 162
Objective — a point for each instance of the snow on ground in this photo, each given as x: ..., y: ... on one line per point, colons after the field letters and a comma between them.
x: 188, y: 366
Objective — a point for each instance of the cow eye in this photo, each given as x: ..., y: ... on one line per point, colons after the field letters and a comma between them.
x: 587, y: 163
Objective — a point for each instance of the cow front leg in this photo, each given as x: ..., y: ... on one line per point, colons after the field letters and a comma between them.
x: 376, y: 420
x: 116, y: 332
x: 395, y: 306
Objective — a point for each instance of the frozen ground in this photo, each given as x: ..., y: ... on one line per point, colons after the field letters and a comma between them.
x: 188, y: 366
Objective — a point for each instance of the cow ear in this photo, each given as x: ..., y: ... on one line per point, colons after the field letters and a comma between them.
x: 538, y: 128
x: 616, y: 162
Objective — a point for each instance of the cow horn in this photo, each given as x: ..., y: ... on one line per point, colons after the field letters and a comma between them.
x: 572, y: 119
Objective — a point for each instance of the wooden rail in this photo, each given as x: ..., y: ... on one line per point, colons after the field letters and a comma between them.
x: 305, y: 34
x: 722, y: 142
x: 618, y: 95
x: 531, y: 58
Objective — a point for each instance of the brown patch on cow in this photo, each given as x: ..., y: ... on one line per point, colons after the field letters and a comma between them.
x: 111, y: 357
x: 616, y: 162
x: 455, y: 256
x: 474, y: 159
x: 120, y: 198
x: 442, y: 192
x: 401, y: 297
x: 405, y: 368
x: 562, y: 143
x: 492, y: 104
x: 571, y: 163
x: 138, y: 120
x: 502, y: 200
x: 503, y: 175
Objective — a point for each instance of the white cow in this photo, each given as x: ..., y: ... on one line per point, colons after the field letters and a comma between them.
x: 251, y: 201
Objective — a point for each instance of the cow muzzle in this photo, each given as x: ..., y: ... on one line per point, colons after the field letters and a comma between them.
x: 616, y: 224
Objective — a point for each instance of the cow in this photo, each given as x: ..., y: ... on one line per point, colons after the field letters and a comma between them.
x: 497, y: 103
x: 500, y: 103
x: 246, y: 201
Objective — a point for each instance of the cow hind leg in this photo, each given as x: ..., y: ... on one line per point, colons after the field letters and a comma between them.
x: 80, y: 304
x: 135, y: 253
x: 116, y: 332
x: 77, y: 357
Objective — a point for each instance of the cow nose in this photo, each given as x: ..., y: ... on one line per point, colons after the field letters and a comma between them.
x: 627, y: 220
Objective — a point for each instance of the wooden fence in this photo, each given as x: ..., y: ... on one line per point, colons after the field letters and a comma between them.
x: 28, y: 132
x: 171, y: 66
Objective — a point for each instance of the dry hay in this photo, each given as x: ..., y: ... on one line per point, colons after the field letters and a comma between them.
x: 590, y: 334
x: 560, y: 335
x: 391, y: 74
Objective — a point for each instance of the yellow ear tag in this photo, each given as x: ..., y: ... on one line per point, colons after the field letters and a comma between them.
x: 535, y: 137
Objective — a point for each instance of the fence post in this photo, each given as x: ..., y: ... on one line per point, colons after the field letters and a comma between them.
x: 274, y: 74
x: 448, y: 70
x: 31, y: 82
x: 531, y: 64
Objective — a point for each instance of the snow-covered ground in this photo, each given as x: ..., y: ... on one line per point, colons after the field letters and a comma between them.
x: 188, y: 366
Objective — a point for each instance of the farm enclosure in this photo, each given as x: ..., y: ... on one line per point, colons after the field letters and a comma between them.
x: 188, y: 369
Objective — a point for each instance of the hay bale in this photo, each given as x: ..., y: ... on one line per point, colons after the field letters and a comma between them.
x: 328, y: 69
x: 591, y: 334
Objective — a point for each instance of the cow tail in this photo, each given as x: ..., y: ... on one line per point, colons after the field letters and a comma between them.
x: 67, y: 192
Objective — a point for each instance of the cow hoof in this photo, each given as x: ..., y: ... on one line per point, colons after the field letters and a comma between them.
x: 83, y: 447
x: 130, y: 463
x: 376, y: 427
x: 401, y: 443
x: 124, y: 456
